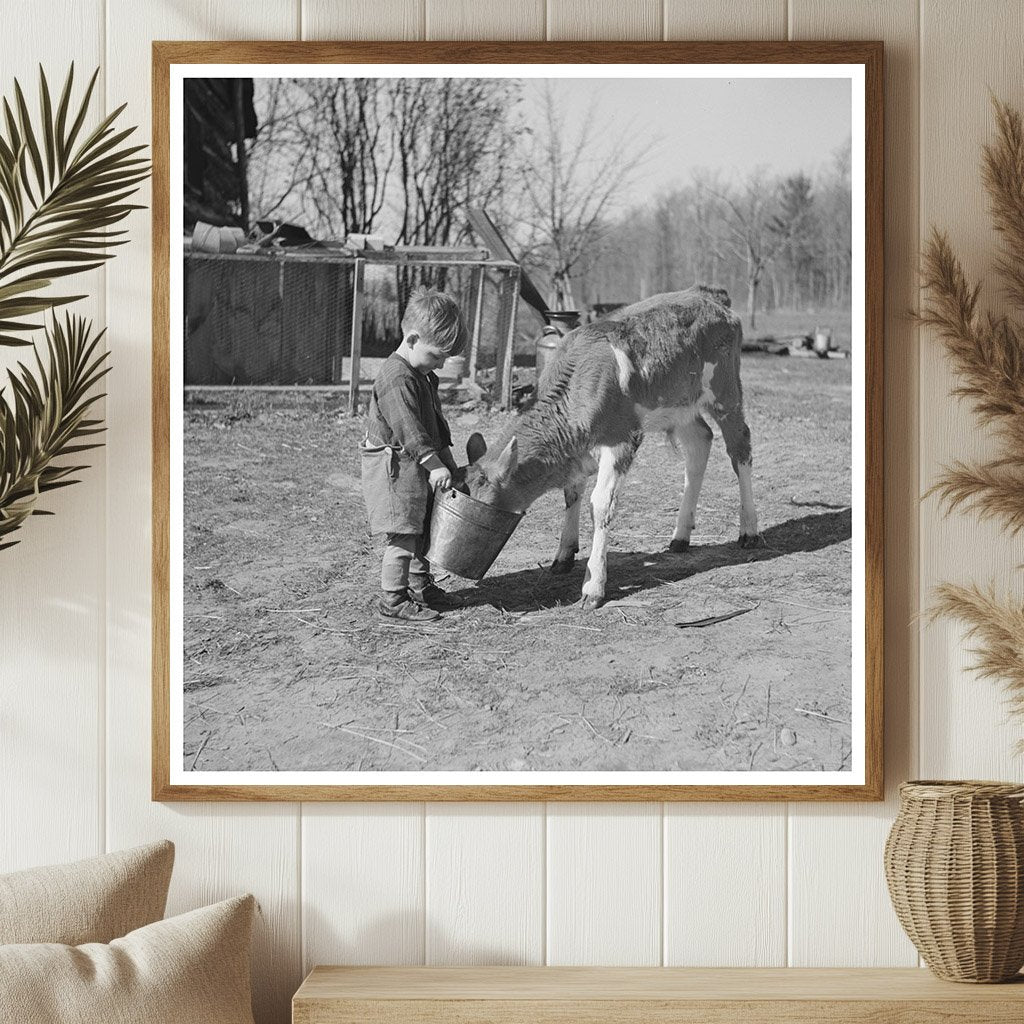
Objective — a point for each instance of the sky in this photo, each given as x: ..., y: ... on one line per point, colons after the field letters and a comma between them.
x: 734, y: 125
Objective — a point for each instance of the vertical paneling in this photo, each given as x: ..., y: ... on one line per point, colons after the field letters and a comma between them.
x: 965, y: 731
x: 362, y: 884
x: 222, y: 848
x: 725, y: 885
x: 51, y: 583
x: 836, y: 851
x: 604, y: 884
x: 485, y: 884
x: 357, y: 19
x: 725, y: 19
x: 485, y: 19
x: 604, y: 19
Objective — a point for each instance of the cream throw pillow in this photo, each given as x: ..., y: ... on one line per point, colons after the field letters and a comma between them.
x: 92, y: 900
x: 190, y: 969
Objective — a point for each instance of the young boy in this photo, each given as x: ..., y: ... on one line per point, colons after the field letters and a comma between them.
x: 407, y: 453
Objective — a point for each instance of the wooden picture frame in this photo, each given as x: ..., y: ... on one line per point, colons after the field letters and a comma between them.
x: 171, y: 779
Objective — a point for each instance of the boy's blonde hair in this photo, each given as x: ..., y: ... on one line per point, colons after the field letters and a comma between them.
x: 435, y: 317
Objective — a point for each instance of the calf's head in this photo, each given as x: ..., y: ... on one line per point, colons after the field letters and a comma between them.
x: 490, y: 478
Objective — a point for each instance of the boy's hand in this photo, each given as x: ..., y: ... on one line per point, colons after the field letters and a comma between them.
x: 441, y: 477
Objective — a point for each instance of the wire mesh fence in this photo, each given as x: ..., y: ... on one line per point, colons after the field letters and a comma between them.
x: 282, y: 320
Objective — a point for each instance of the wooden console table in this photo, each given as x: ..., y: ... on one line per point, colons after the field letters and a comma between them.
x: 639, y: 995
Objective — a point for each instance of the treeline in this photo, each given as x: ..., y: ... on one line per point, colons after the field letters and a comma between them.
x: 779, y: 241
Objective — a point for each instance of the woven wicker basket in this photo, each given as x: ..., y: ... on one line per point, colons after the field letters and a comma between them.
x: 954, y: 861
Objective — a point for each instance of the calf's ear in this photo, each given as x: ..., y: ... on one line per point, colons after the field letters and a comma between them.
x: 505, y: 464
x: 476, y: 448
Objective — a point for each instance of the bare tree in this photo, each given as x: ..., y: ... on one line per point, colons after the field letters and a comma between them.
x: 452, y: 140
x: 759, y: 227
x: 571, y: 179
x: 322, y: 155
x: 796, y: 261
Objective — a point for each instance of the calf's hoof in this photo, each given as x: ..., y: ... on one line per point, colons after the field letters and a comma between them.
x: 677, y: 545
x: 750, y: 540
x: 589, y: 602
x: 561, y: 566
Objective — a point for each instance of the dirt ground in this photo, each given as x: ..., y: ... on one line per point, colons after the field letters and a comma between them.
x: 287, y: 666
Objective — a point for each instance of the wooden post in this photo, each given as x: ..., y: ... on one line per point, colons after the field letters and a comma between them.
x: 356, y: 348
x: 478, y: 313
x: 282, y: 354
x: 241, y: 161
x: 336, y: 288
x: 512, y: 305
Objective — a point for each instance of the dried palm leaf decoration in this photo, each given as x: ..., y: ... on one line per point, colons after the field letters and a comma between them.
x: 62, y: 191
x: 987, y: 354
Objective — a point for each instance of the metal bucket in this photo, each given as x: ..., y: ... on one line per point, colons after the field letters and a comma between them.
x: 466, y: 536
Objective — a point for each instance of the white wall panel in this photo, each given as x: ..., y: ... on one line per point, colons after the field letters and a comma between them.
x: 604, y: 884
x: 725, y: 885
x: 967, y: 49
x: 362, y: 884
x: 485, y: 883
x: 358, y: 19
x: 604, y: 19
x: 51, y: 583
x: 835, y: 851
x: 222, y: 848
x: 725, y: 19
x: 485, y: 19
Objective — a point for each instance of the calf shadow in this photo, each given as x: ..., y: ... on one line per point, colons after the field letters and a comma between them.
x: 630, y: 572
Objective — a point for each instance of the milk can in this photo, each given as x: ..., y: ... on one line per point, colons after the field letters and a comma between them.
x: 560, y: 322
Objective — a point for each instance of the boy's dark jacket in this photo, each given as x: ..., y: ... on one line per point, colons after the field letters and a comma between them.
x: 404, y: 425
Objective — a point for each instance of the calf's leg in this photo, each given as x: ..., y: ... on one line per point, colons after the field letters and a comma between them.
x: 728, y: 412
x: 569, y: 544
x: 736, y: 434
x: 612, y: 465
x: 696, y: 440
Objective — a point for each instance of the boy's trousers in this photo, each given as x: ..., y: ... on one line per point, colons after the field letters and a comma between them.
x: 404, y: 565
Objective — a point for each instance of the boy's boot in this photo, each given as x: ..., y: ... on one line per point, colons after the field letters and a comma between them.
x: 427, y: 594
x: 404, y: 610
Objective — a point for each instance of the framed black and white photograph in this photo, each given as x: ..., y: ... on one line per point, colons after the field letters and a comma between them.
x: 517, y: 421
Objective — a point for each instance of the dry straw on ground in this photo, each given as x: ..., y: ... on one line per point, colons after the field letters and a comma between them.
x: 987, y: 354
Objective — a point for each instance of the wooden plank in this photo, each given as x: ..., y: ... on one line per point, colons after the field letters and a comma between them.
x: 643, y: 1012
x: 725, y: 19
x: 485, y: 884
x: 479, y: 282
x: 511, y: 297
x: 840, y: 912
x: 609, y: 995
x: 356, y: 19
x: 363, y: 884
x: 604, y: 19
x: 51, y: 583
x: 604, y: 884
x: 225, y: 849
x: 484, y: 228
x: 484, y: 19
x: 725, y: 885
x: 965, y: 728
x: 356, y: 344
x: 649, y: 984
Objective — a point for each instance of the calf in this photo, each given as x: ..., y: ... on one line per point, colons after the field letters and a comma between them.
x: 656, y: 365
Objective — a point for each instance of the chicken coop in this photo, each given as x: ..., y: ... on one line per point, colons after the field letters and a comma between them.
x: 325, y: 317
